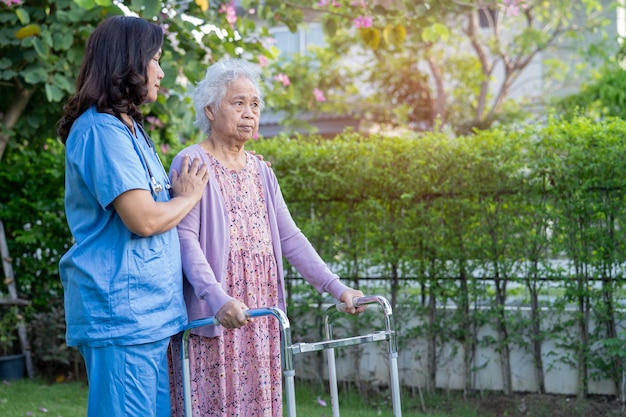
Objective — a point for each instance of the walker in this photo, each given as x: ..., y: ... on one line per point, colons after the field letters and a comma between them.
x: 329, y: 344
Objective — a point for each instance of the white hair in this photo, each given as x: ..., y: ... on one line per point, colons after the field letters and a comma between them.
x: 212, y: 89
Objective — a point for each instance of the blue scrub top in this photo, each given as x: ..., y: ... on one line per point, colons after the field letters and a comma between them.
x: 119, y: 288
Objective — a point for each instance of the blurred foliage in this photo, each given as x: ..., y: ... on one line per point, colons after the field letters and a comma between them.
x: 456, y: 65
x: 415, y: 65
x: 603, y: 96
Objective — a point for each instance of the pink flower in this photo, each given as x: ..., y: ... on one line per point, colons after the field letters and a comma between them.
x: 231, y: 13
x: 283, y: 78
x: 154, y: 122
x: 319, y: 94
x: 262, y: 60
x: 321, y: 402
x: 512, y: 7
x: 268, y: 42
x: 324, y: 3
x: 164, y: 148
x: 363, y: 22
x: 12, y: 2
x: 255, y: 136
x: 361, y: 3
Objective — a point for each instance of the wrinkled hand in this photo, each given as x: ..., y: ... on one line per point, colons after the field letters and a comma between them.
x: 347, y: 297
x: 233, y: 315
x: 191, y: 180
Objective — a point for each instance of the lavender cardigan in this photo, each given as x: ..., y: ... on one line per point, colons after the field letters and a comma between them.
x: 204, y: 243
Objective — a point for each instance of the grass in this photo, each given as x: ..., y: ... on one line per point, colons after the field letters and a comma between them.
x: 32, y: 398
x: 27, y: 397
x: 37, y: 398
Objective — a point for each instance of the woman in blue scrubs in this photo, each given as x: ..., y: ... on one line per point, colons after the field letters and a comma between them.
x: 122, y: 277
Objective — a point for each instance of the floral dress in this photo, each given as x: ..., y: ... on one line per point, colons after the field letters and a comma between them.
x: 239, y: 373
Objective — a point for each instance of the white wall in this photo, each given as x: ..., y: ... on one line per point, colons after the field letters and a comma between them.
x: 373, y: 366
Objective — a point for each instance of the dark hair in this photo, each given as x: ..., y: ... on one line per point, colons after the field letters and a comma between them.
x: 113, y: 74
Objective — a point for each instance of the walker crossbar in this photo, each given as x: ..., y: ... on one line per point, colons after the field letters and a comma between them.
x: 304, y: 347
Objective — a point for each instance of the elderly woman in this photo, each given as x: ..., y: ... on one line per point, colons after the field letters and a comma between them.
x: 232, y: 244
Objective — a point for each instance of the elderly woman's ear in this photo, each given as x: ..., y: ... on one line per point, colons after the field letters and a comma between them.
x: 209, y: 113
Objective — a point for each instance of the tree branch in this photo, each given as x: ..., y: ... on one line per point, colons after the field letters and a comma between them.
x: 440, y: 102
x: 14, y: 112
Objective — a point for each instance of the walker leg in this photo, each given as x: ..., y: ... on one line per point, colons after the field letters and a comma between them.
x: 290, y: 392
x: 332, y: 379
x: 186, y: 374
x: 395, y: 384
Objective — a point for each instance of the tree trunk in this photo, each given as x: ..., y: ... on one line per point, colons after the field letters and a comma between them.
x: 505, y: 358
x: 583, y: 326
x: 536, y: 338
x: 12, y: 115
x: 431, y: 381
x: 612, y: 333
x: 467, y: 334
x: 609, y: 295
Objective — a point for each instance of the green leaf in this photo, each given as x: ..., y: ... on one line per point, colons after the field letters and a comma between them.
x: 371, y: 37
x: 62, y: 41
x: 5, y: 63
x: 435, y: 33
x: 86, y: 4
x: 330, y: 27
x: 262, y: 11
x: 293, y: 26
x: 41, y: 47
x: 22, y: 15
x: 62, y: 82
x: 53, y: 93
x: 8, y: 74
x: 147, y: 8
x: 28, y: 31
x: 35, y: 74
x: 394, y: 35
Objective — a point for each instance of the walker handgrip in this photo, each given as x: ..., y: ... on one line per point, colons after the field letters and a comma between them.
x: 253, y: 312
x: 341, y: 307
x: 250, y: 313
x: 361, y: 301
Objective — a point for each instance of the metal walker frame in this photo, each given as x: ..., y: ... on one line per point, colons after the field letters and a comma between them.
x: 329, y: 344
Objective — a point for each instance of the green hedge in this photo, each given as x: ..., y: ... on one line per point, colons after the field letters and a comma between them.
x: 501, y: 216
x: 532, y: 216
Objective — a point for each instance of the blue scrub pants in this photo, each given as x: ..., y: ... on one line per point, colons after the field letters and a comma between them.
x: 128, y: 381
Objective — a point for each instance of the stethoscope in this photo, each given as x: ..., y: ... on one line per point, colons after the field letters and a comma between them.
x: 155, y: 186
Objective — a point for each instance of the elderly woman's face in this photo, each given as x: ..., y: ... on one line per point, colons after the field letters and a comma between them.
x: 239, y: 112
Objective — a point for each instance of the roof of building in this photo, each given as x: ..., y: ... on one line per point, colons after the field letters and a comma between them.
x: 325, y: 124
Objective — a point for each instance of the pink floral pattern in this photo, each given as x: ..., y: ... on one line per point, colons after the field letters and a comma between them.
x: 239, y: 374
